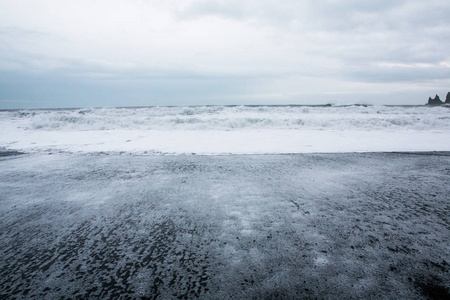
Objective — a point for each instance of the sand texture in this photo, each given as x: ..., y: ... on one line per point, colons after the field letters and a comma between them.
x: 340, y: 226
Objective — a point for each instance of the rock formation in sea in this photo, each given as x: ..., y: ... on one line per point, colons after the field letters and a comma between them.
x: 447, y: 99
x: 435, y: 101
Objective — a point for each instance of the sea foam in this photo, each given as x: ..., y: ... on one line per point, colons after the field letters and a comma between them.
x: 234, y: 118
x: 228, y: 129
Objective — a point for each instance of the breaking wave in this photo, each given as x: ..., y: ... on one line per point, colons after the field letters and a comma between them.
x: 234, y: 118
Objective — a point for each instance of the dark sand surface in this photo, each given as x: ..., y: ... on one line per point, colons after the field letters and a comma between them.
x: 340, y: 226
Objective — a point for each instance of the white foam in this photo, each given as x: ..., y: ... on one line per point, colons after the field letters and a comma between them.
x: 234, y: 118
x: 223, y: 130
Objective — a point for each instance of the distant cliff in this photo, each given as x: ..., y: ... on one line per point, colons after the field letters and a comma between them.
x: 437, y: 101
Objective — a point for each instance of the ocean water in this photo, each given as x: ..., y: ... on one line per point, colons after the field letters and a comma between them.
x: 228, y: 129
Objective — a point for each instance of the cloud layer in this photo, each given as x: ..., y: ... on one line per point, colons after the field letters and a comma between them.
x: 224, y: 52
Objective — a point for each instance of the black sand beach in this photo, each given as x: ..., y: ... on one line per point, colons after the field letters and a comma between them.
x: 341, y: 226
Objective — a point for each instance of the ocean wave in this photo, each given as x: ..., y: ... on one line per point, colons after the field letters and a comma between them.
x: 232, y: 118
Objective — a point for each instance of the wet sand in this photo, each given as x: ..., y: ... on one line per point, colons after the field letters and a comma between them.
x: 342, y: 226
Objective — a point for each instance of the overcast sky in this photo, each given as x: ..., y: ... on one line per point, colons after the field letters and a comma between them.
x: 60, y: 53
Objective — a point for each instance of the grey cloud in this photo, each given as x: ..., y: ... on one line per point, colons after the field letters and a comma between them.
x: 318, y: 14
x: 12, y: 38
x: 328, y: 15
x: 342, y: 40
x: 21, y: 33
x: 106, y: 70
x: 51, y: 90
x: 389, y: 74
x: 351, y: 31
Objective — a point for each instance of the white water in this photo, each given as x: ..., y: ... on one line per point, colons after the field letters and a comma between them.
x: 228, y: 130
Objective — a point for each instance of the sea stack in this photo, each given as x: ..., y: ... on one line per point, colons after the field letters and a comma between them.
x: 447, y: 99
x: 436, y: 100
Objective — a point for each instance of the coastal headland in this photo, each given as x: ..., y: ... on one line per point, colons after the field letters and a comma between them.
x: 437, y: 101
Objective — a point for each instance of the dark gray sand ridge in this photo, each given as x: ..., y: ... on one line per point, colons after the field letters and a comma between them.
x: 336, y: 226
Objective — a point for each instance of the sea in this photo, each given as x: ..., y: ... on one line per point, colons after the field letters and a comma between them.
x: 212, y: 130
